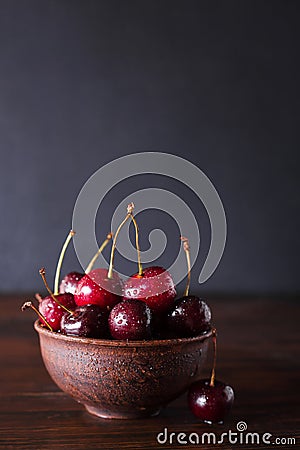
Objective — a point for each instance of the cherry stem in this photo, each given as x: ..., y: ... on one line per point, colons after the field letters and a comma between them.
x: 186, y: 248
x: 30, y: 305
x: 137, y: 245
x: 100, y: 250
x: 60, y: 260
x: 129, y: 215
x: 43, y: 275
x: 213, y: 372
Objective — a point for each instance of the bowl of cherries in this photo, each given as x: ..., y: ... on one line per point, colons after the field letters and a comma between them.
x: 125, y: 349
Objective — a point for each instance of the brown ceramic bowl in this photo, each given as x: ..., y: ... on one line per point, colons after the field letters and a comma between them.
x: 121, y: 379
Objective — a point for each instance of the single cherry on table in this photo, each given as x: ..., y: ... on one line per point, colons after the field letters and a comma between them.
x: 209, y: 403
x: 211, y: 400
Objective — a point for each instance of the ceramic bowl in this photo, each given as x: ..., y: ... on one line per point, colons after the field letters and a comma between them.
x: 122, y: 379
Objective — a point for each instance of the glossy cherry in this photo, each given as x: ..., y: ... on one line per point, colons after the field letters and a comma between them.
x: 130, y: 320
x: 53, y: 307
x: 85, y: 321
x: 54, y: 311
x: 97, y: 289
x: 211, y: 400
x: 208, y: 403
x: 189, y: 316
x: 155, y: 287
x: 70, y: 282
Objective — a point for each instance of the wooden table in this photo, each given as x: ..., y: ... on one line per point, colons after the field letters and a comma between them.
x: 258, y: 353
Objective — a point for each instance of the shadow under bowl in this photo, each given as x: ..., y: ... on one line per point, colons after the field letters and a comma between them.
x: 122, y: 379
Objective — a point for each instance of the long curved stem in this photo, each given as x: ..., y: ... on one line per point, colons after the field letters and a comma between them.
x: 129, y: 215
x: 112, y: 254
x: 186, y: 248
x: 100, y: 250
x: 213, y: 372
x: 60, y: 260
x: 137, y: 245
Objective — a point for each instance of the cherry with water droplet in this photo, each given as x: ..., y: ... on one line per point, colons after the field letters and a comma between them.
x: 210, y: 400
x: 131, y: 320
x: 54, y: 307
x: 70, y: 282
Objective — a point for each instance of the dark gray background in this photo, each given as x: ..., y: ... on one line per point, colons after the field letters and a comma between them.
x: 217, y: 82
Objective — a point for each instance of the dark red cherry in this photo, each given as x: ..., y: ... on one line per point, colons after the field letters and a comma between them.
x: 86, y: 321
x: 53, y: 312
x: 209, y: 403
x: 97, y: 289
x: 155, y: 287
x: 70, y: 282
x: 189, y: 316
x: 130, y: 319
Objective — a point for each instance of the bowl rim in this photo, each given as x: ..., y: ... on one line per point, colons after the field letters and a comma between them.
x: 119, y: 343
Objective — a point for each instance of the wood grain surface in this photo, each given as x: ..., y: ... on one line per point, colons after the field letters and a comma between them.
x: 258, y: 353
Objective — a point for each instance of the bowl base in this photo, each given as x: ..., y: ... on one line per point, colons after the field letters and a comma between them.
x: 134, y: 414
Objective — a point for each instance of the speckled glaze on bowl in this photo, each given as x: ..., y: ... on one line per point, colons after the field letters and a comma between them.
x: 120, y: 379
